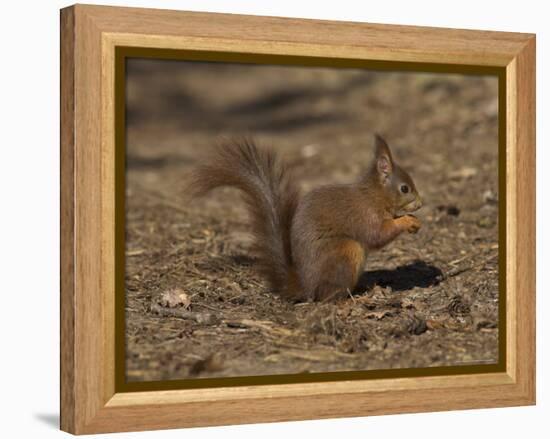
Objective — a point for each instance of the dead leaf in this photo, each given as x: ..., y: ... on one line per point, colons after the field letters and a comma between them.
x: 135, y: 252
x: 490, y: 197
x: 458, y: 306
x: 212, y: 363
x: 416, y: 325
x: 465, y: 173
x: 310, y: 150
x: 175, y: 298
x: 434, y: 324
x: 378, y: 315
x: 486, y: 222
x: 485, y: 324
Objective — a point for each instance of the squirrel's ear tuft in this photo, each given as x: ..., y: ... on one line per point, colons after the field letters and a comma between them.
x: 384, y: 161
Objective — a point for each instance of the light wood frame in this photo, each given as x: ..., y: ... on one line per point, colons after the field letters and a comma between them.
x: 89, y: 35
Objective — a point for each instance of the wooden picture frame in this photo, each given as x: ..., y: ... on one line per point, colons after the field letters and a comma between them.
x: 90, y: 399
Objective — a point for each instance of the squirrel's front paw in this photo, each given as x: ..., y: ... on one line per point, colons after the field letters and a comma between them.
x: 411, y: 223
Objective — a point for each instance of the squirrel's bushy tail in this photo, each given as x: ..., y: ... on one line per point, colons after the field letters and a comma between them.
x: 271, y: 197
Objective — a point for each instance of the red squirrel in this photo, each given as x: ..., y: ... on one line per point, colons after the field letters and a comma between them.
x: 312, y: 247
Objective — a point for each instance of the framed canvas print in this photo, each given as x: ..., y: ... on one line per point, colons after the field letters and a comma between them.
x: 268, y: 219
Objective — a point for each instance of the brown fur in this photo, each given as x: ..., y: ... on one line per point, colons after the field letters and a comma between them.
x: 314, y: 248
x: 269, y: 193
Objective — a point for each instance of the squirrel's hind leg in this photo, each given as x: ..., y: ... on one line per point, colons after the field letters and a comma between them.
x: 340, y: 268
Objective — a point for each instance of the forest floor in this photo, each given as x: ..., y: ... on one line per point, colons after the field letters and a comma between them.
x: 194, y: 304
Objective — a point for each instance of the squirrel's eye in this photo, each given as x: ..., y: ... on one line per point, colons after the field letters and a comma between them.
x: 404, y: 188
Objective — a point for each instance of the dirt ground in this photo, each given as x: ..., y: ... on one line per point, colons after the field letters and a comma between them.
x: 429, y: 299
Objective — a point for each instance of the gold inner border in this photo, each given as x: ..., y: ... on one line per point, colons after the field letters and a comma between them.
x: 122, y: 53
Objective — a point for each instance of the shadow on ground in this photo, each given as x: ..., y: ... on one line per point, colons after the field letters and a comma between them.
x: 417, y: 274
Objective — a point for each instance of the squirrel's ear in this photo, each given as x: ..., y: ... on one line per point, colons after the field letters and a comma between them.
x: 384, y: 161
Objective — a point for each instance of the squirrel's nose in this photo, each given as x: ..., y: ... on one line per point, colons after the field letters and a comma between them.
x: 419, y: 202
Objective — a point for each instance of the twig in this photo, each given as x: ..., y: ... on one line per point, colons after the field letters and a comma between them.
x: 201, y: 318
x: 263, y: 326
x: 315, y: 355
x: 207, y: 306
x: 456, y: 261
x: 456, y: 272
